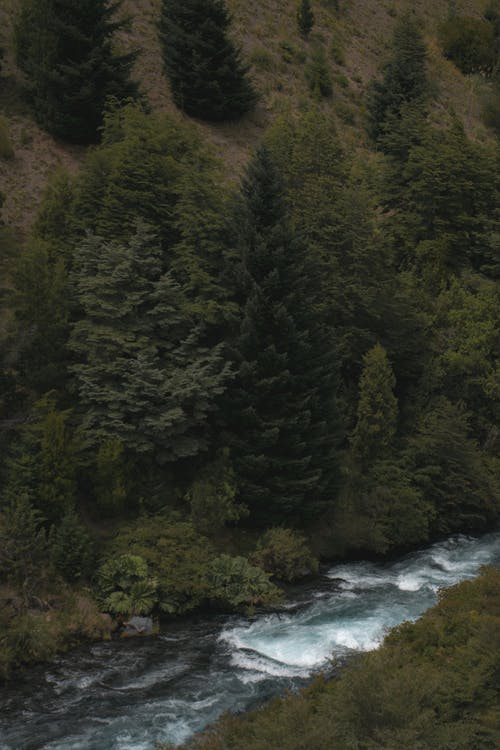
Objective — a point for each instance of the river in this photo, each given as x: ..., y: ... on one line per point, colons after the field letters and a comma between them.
x: 127, y: 694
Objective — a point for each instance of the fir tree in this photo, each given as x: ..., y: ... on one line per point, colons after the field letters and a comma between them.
x: 205, y: 70
x: 142, y: 374
x: 404, y: 78
x: 65, y: 49
x: 280, y: 408
x: 305, y: 18
x: 377, y: 407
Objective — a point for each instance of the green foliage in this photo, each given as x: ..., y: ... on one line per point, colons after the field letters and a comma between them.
x: 71, y: 548
x: 126, y: 586
x: 206, y: 73
x: 451, y: 472
x: 65, y: 49
x: 447, y: 206
x: 212, y: 499
x: 317, y: 74
x: 377, y: 408
x: 381, y: 511
x: 404, y: 78
x: 143, y: 377
x: 305, y: 18
x: 469, y: 43
x: 280, y: 408
x: 23, y: 546
x: 6, y: 150
x: 177, y: 556
x: 237, y: 584
x: 112, y: 483
x: 431, y: 686
x: 157, y: 169
x: 42, y: 304
x: 467, y: 362
x: 27, y: 639
x: 284, y: 554
x: 491, y: 110
x: 45, y: 461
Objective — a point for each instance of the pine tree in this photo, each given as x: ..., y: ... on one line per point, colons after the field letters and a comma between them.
x: 142, y: 374
x: 65, y: 49
x: 305, y: 18
x: 404, y: 78
x: 377, y: 408
x: 280, y: 408
x: 205, y: 70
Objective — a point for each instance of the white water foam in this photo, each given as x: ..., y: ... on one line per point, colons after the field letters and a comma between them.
x: 371, y: 599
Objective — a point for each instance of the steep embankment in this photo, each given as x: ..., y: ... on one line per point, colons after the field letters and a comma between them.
x: 355, y: 40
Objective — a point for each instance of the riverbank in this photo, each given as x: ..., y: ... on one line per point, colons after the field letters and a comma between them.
x: 129, y: 694
x: 432, y: 685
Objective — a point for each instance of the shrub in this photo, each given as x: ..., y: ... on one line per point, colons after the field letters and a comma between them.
x: 71, y: 548
x: 469, y: 43
x: 284, y: 553
x: 491, y: 111
x: 305, y: 18
x: 126, y: 586
x: 234, y: 582
x: 177, y: 555
x: 212, y: 499
x: 318, y: 74
x: 337, y: 51
x: 6, y: 150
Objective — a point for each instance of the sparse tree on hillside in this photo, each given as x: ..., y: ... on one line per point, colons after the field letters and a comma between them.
x: 65, y: 48
x: 404, y: 78
x: 305, y: 18
x: 206, y: 73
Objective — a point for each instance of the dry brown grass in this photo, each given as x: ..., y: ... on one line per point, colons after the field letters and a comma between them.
x: 261, y: 27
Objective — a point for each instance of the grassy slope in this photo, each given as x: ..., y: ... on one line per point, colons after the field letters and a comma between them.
x: 362, y: 30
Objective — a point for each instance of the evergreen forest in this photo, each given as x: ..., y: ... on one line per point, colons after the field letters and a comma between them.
x: 249, y: 323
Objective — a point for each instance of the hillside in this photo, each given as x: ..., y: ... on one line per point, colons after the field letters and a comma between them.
x: 356, y: 40
x: 221, y: 364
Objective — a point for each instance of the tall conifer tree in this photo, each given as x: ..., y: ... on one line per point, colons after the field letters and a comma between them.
x: 280, y: 406
x: 143, y: 377
x: 404, y: 80
x: 377, y: 407
x: 207, y: 75
x: 65, y: 49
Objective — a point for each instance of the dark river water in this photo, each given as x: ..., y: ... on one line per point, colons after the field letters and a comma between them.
x: 128, y: 694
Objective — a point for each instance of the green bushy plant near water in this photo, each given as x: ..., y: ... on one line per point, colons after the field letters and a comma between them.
x: 176, y: 554
x: 234, y: 582
x: 126, y: 586
x: 284, y: 554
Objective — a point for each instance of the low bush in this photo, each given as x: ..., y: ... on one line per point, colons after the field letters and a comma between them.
x: 469, y: 43
x: 235, y: 583
x: 6, y: 150
x: 284, y: 554
x: 318, y: 74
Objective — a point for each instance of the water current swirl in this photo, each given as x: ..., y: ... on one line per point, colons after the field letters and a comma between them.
x: 125, y: 695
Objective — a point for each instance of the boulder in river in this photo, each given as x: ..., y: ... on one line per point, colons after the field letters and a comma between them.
x: 138, y: 626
